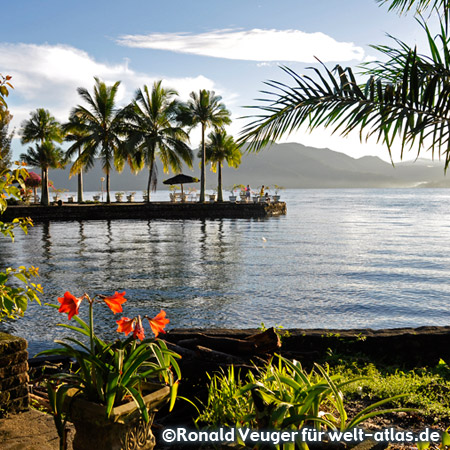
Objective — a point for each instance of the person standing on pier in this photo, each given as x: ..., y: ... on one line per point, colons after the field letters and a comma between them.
x: 247, y: 192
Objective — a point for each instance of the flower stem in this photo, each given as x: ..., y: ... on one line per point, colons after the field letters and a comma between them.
x: 91, y: 337
x: 91, y: 325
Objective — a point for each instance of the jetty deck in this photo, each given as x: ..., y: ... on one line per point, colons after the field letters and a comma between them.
x: 152, y: 210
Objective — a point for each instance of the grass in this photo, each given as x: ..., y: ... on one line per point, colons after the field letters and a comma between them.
x: 428, y: 388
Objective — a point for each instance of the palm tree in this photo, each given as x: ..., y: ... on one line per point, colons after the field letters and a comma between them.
x: 152, y: 132
x: 221, y: 147
x: 205, y: 109
x: 405, y: 99
x: 46, y: 156
x: 40, y: 127
x: 43, y: 129
x: 100, y: 127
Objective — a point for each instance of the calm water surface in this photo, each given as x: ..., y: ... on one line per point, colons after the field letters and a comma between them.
x: 339, y: 259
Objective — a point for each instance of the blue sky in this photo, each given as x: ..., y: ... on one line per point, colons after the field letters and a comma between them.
x: 51, y: 47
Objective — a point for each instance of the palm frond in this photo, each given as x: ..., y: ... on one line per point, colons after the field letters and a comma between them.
x: 405, y: 100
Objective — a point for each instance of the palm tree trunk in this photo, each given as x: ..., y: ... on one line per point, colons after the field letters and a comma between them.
x: 80, y: 187
x: 203, y: 171
x: 108, y: 197
x: 219, y: 182
x: 42, y: 184
x: 80, y: 183
x: 150, y: 175
x: 44, y: 187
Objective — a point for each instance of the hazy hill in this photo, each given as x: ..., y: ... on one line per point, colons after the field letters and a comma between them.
x: 290, y: 165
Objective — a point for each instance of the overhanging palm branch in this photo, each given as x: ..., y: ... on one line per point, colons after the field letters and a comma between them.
x: 406, y: 99
x: 419, y: 6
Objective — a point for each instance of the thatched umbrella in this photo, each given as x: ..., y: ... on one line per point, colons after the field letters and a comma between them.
x: 181, y: 179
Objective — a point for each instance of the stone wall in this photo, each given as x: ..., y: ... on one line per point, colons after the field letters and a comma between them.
x: 13, y: 373
x: 153, y: 210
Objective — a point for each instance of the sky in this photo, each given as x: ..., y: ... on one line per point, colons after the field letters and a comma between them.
x: 51, y: 47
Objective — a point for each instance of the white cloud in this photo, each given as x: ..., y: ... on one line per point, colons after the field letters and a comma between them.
x: 251, y: 45
x: 47, y: 76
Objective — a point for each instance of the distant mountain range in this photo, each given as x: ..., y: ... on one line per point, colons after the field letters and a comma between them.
x: 290, y: 165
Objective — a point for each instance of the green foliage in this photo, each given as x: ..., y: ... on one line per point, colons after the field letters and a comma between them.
x: 226, y: 406
x: 4, y: 92
x: 5, y: 140
x: 41, y: 127
x: 283, y: 396
x: 108, y: 372
x: 16, y: 285
x: 419, y: 6
x: 425, y: 389
x: 13, y: 298
x: 56, y: 396
x: 221, y: 147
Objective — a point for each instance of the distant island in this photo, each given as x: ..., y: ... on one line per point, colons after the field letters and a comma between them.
x: 291, y: 165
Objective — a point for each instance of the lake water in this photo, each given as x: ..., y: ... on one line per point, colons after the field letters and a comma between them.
x: 376, y: 258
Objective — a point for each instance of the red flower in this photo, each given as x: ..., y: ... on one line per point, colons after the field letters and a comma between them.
x: 126, y: 325
x: 69, y: 304
x: 115, y: 301
x: 158, y: 323
x: 139, y: 329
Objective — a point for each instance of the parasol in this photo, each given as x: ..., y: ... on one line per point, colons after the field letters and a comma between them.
x: 181, y: 179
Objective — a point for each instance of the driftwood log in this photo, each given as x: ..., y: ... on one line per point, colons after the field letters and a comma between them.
x: 256, y: 344
x: 202, y: 353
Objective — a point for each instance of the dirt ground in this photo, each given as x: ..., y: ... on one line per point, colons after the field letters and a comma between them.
x: 30, y: 430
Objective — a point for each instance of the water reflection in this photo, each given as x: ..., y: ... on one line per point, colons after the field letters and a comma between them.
x: 185, y: 267
x: 323, y: 265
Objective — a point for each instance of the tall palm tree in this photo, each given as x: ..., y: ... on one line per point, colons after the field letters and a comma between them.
x: 221, y: 147
x: 101, y: 127
x: 153, y: 133
x: 43, y: 129
x: 405, y: 99
x: 206, y: 110
x: 46, y: 156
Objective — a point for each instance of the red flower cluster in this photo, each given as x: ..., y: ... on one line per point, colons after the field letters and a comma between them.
x: 157, y: 324
x: 71, y: 305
